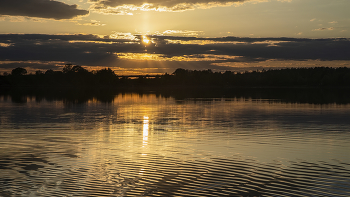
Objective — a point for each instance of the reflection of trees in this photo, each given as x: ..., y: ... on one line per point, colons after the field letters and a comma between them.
x: 286, y: 95
x: 67, y: 96
x: 18, y: 98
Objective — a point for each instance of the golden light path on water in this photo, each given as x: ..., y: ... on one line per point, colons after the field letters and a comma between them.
x: 154, y: 145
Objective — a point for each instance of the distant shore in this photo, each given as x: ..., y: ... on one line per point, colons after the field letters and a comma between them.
x: 76, y: 77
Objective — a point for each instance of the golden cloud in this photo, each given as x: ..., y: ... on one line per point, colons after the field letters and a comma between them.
x: 120, y: 7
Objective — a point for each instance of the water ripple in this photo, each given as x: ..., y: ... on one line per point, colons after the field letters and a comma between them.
x: 220, y: 148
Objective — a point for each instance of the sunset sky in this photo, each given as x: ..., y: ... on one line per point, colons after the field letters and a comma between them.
x: 155, y: 36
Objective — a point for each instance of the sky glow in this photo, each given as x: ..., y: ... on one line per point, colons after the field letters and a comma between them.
x: 159, y: 36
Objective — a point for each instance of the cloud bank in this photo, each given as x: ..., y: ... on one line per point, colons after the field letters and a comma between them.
x: 126, y: 51
x: 120, y: 6
x: 49, y: 9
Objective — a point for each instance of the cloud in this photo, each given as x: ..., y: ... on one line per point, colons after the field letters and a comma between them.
x: 182, y: 58
x: 124, y: 50
x: 22, y: 19
x: 32, y: 65
x: 40, y: 8
x: 123, y: 36
x: 15, y: 19
x: 324, y: 28
x: 5, y: 44
x: 159, y: 3
x: 125, y: 6
x: 312, y: 20
x: 93, y: 23
x: 181, y: 33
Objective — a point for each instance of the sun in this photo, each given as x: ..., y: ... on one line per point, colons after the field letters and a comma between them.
x: 145, y: 40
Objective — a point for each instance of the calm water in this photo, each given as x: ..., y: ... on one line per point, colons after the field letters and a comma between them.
x: 149, y: 145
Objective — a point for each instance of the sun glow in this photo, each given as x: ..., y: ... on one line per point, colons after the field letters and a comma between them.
x: 145, y: 40
x: 187, y: 58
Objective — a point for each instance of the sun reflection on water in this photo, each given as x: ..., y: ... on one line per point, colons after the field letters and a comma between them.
x: 187, y: 146
x: 145, y: 130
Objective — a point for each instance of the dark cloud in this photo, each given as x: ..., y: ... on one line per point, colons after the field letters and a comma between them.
x: 32, y: 65
x: 260, y: 48
x: 168, y: 51
x: 40, y: 8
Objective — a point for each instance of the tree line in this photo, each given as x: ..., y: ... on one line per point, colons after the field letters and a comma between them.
x: 77, y: 76
x: 70, y: 76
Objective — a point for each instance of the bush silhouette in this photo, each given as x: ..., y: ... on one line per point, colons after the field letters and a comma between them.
x: 19, y: 71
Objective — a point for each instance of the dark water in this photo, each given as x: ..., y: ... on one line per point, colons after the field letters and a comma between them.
x: 155, y: 145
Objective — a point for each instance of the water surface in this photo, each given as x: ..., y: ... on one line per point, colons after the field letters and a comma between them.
x: 151, y: 145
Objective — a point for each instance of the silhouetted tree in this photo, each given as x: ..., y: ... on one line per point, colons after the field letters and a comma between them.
x: 77, y: 76
x: 39, y: 72
x: 106, y: 76
x: 180, y: 72
x: 79, y: 69
x: 67, y: 68
x: 19, y: 71
x: 107, y: 72
x: 49, y: 72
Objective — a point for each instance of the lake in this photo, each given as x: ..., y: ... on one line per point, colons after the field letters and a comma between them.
x: 153, y: 144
